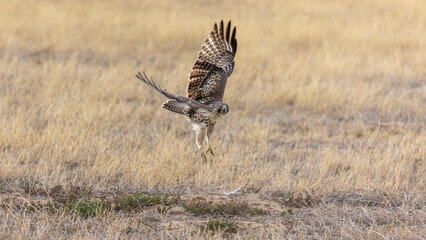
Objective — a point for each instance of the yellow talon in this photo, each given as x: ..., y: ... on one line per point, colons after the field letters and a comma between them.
x: 209, y: 150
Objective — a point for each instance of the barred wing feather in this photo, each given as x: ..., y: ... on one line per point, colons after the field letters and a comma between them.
x: 213, y: 66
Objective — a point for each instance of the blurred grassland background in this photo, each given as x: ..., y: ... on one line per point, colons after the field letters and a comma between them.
x: 326, y: 96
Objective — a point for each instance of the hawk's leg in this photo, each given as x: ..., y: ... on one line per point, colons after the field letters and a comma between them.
x: 204, y: 156
x: 201, y: 133
x: 209, y: 132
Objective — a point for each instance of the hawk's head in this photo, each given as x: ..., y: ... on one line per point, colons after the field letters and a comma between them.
x: 222, y: 108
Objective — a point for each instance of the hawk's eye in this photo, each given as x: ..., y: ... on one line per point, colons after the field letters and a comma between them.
x: 223, y: 108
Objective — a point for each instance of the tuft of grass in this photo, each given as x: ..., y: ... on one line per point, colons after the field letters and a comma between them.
x: 257, y: 211
x: 138, y: 200
x: 224, y: 226
x: 129, y: 230
x: 296, y: 200
x: 88, y: 208
x: 288, y: 212
x: 231, y: 208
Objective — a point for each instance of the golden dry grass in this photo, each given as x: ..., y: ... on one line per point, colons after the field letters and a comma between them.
x: 326, y: 97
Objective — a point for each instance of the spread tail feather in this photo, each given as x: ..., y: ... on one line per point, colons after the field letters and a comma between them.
x: 176, y: 107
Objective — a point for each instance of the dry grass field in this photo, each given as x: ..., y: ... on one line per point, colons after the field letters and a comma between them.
x: 325, y: 138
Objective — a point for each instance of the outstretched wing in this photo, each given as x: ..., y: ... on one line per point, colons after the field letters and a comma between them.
x: 213, y: 66
x: 192, y: 103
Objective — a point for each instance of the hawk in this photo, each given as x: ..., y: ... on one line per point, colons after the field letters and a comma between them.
x: 203, y: 105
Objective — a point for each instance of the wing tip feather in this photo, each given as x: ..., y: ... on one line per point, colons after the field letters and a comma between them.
x: 221, y: 43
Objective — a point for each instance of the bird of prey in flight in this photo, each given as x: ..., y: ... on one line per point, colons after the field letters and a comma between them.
x: 204, y: 104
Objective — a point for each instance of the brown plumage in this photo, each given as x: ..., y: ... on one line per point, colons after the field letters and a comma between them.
x: 213, y: 66
x: 207, y: 81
